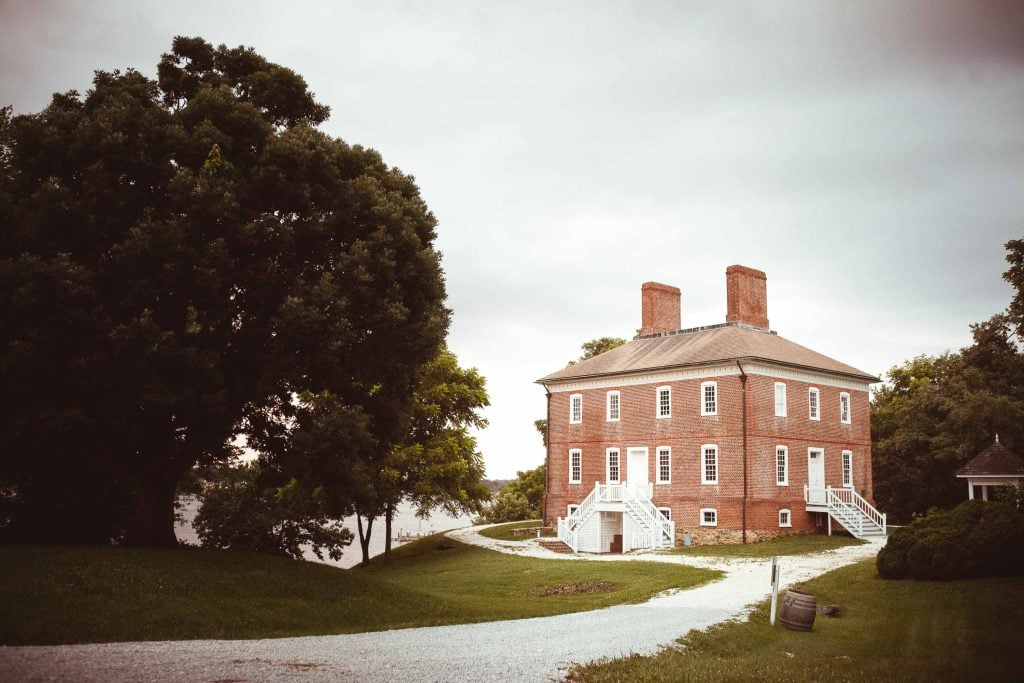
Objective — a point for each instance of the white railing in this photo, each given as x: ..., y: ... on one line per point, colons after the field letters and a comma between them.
x: 847, y: 496
x: 847, y: 506
x: 657, y: 531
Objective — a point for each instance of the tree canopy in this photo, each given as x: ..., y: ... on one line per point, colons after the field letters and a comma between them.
x: 179, y: 259
x: 936, y: 413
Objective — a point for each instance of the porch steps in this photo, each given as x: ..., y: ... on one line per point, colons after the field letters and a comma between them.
x: 559, y: 547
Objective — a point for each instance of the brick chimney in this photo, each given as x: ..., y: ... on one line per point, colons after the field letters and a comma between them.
x: 746, y: 296
x: 660, y: 308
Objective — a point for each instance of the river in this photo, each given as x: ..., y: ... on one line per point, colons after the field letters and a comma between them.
x: 405, y: 521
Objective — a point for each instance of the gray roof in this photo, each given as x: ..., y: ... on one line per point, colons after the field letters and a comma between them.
x: 703, y: 346
x: 996, y: 460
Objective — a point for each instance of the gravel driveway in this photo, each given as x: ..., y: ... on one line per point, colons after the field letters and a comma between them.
x: 525, y: 649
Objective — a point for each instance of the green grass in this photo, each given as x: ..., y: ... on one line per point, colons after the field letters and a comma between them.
x: 785, y: 545
x: 76, y: 595
x: 887, y: 630
x: 503, y: 532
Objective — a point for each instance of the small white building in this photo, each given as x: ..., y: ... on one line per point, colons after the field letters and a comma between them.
x: 997, y: 465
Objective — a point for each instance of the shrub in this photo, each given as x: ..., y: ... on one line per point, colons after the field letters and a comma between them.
x: 975, y: 538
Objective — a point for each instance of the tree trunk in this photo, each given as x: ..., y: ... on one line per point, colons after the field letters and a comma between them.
x: 152, y: 520
x: 364, y: 537
x: 389, y: 513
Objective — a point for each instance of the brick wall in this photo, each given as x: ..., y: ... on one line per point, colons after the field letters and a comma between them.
x: 687, y: 430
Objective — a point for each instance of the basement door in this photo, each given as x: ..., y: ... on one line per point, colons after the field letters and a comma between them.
x: 815, y: 476
x: 636, y: 472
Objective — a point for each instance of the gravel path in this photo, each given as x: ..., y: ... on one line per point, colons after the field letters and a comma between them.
x: 526, y: 649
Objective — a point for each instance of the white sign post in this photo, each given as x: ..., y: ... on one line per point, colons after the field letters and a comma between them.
x: 775, y: 587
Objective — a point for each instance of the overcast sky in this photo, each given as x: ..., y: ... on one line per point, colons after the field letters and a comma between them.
x: 869, y: 156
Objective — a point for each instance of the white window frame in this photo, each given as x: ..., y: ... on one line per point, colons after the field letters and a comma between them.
x: 784, y: 452
x: 666, y: 513
x: 575, y: 419
x: 714, y: 521
x: 570, y: 508
x: 845, y: 409
x: 704, y: 463
x: 608, y: 406
x: 846, y: 463
x: 657, y: 402
x: 789, y: 518
x: 578, y: 452
x: 666, y: 450
x: 608, y: 465
x: 704, y: 386
x: 784, y: 411
x: 814, y: 409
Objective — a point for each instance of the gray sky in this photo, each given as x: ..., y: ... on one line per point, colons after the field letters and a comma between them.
x: 868, y: 157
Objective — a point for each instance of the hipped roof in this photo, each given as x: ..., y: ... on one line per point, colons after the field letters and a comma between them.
x: 995, y: 461
x: 703, y: 346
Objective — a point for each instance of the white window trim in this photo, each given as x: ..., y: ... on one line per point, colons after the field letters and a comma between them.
x: 704, y: 464
x: 572, y: 400
x: 657, y: 464
x: 608, y: 406
x: 579, y: 452
x: 785, y: 455
x: 663, y: 511
x: 570, y: 508
x: 817, y: 403
x: 608, y: 465
x: 711, y: 510
x: 785, y: 400
x: 657, y: 402
x: 842, y: 468
x: 703, y: 401
x: 849, y: 408
x: 789, y: 518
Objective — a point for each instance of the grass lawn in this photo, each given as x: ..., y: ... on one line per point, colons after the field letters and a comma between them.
x: 54, y: 595
x: 785, y: 545
x: 503, y: 532
x: 887, y: 630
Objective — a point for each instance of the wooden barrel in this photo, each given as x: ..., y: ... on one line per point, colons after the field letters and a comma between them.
x: 798, y: 610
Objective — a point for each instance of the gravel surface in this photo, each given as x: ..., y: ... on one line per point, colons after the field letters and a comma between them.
x: 526, y: 649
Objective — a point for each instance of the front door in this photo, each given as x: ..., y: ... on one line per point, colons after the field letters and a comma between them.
x: 636, y: 472
x: 815, y: 476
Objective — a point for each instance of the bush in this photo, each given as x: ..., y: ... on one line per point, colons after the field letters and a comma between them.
x: 521, y: 499
x: 975, y: 538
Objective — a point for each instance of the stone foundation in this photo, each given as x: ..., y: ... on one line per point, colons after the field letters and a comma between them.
x: 716, y: 536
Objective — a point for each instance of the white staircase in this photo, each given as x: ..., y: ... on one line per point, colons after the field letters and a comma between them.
x: 656, y: 531
x: 849, y: 508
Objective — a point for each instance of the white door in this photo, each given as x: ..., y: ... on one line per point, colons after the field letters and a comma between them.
x: 636, y: 471
x: 815, y: 476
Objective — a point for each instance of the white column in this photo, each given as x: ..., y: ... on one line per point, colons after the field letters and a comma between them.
x: 984, y: 492
x: 970, y: 489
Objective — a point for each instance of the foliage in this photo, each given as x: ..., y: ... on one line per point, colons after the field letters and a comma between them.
x: 887, y: 631
x: 181, y: 257
x: 240, y: 511
x: 542, y: 428
x: 53, y: 595
x: 522, y: 499
x: 595, y: 347
x: 976, y: 538
x: 504, y: 532
x: 936, y: 413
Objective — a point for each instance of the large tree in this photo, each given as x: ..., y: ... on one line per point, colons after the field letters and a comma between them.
x: 936, y: 413
x: 179, y: 258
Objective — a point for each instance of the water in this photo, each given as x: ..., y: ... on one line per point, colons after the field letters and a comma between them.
x: 405, y: 521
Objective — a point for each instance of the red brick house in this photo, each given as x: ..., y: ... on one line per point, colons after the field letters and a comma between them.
x: 726, y: 432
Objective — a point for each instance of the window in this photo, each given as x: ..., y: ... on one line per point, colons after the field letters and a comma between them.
x: 666, y: 513
x: 844, y: 408
x: 664, y: 465
x: 847, y: 468
x: 708, y: 517
x: 709, y: 464
x: 576, y: 409
x: 782, y: 465
x: 812, y: 404
x: 613, y: 406
x: 785, y: 518
x: 613, y: 465
x: 709, y: 398
x: 571, y: 509
x: 664, y: 402
x: 575, y: 466
x: 780, y: 399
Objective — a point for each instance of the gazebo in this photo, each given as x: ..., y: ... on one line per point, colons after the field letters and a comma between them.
x: 997, y: 465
